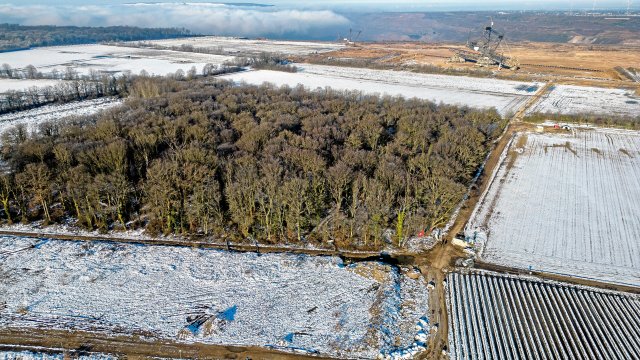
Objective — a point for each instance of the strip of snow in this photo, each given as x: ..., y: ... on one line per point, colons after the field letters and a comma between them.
x: 7, y: 85
x: 206, y: 296
x: 506, y: 96
x: 250, y: 47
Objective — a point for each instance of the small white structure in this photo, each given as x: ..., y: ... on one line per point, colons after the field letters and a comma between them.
x: 460, y: 243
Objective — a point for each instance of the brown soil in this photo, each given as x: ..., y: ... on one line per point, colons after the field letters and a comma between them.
x: 557, y: 277
x: 132, y: 347
x: 565, y: 63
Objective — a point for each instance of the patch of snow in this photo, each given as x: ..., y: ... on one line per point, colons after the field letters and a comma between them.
x: 7, y: 85
x: 208, y: 296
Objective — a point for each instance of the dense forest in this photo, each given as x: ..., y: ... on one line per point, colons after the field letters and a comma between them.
x: 13, y: 37
x: 205, y: 157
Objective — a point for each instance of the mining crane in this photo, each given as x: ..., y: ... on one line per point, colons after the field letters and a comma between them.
x: 486, y: 50
x: 351, y: 40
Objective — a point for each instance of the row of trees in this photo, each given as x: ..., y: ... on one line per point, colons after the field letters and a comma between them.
x: 79, y: 89
x: 272, y: 165
x: 263, y: 60
x: 627, y: 122
x: 14, y: 36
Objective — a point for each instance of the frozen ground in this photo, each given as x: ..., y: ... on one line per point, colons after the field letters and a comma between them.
x: 34, y: 117
x: 506, y: 96
x: 22, y: 85
x: 246, y: 47
x: 185, y: 294
x: 112, y: 59
x: 565, y: 203
x: 569, y: 99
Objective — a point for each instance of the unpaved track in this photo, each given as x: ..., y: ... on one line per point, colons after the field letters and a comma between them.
x: 134, y: 347
x: 203, y: 245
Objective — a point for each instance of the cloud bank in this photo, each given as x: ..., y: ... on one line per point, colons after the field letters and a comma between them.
x: 205, y: 18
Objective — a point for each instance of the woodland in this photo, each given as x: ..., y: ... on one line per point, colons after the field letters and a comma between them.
x: 287, y: 166
x: 18, y: 37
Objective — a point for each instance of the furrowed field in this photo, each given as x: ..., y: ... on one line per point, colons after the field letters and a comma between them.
x: 566, y: 203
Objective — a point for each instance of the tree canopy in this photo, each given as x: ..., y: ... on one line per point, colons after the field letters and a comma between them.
x: 265, y: 164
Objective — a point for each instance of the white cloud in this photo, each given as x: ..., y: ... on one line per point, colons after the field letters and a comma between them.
x: 203, y: 18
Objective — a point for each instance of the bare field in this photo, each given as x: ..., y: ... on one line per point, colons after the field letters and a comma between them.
x: 565, y: 203
x: 495, y: 316
x: 565, y: 61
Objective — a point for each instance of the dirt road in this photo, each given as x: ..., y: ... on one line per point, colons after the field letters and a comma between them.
x: 132, y: 347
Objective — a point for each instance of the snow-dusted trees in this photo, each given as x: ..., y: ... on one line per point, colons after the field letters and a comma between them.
x: 72, y: 90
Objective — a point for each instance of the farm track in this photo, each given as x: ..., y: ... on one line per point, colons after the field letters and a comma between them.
x: 356, y: 255
x: 499, y: 317
x: 132, y: 347
x: 566, y: 278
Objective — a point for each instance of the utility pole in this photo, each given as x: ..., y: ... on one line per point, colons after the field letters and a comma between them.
x: 628, y: 7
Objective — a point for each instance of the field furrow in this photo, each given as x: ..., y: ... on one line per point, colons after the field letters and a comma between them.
x: 544, y: 319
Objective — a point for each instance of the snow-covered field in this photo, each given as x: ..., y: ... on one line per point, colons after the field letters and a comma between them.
x: 247, y: 47
x: 565, y: 203
x: 105, y: 58
x: 34, y: 117
x: 318, y: 304
x: 494, y: 316
x: 569, y: 99
x: 24, y: 84
x: 506, y: 96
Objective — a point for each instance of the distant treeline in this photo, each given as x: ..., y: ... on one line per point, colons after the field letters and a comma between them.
x: 626, y: 122
x: 262, y: 60
x: 13, y: 37
x: 75, y: 90
x: 263, y: 164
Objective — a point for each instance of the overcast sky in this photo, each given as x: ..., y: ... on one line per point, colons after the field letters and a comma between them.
x: 397, y: 5
x: 286, y: 19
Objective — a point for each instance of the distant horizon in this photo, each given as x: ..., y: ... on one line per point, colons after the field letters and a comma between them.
x: 279, y: 19
x: 376, y: 5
